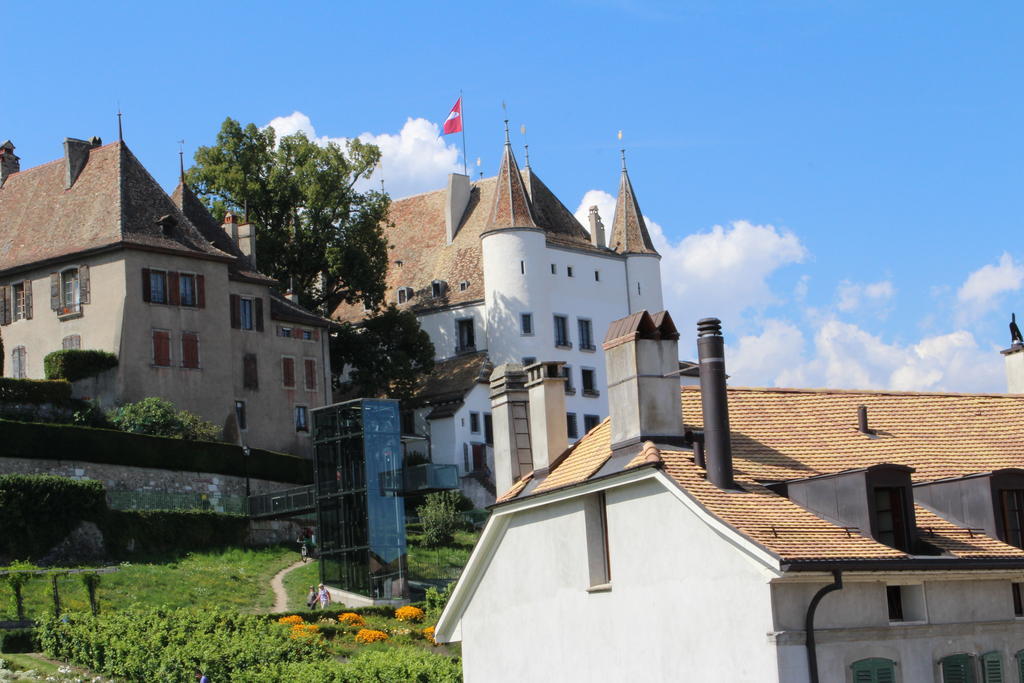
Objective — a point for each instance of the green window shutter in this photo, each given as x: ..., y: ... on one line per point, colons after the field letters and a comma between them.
x: 1020, y: 665
x: 992, y: 667
x: 874, y: 670
x: 957, y: 669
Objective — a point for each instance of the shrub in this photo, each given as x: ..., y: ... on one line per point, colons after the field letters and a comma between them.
x: 409, y: 613
x: 369, y: 635
x: 161, y: 531
x: 21, y: 440
x: 34, y: 391
x: 403, y: 664
x: 38, y: 511
x: 351, y: 619
x: 157, y: 417
x: 436, y: 600
x: 440, y: 518
x: 19, y: 640
x: 76, y: 364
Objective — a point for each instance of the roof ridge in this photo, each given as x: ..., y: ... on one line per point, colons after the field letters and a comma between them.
x: 883, y: 392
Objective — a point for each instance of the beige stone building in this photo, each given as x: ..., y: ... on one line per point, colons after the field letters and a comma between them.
x: 95, y: 255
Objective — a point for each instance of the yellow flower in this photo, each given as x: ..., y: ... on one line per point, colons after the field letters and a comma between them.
x: 428, y: 635
x: 304, y: 631
x: 409, y: 613
x: 293, y: 619
x: 352, y: 619
x: 369, y: 635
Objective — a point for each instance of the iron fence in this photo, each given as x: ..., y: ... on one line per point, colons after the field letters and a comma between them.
x: 167, y: 500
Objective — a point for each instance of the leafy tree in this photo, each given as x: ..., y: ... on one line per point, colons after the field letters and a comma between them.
x: 440, y: 517
x: 158, y: 417
x: 386, y: 354
x: 315, y: 231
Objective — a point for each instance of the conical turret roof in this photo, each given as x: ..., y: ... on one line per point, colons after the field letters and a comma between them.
x: 511, y: 208
x: 629, y: 232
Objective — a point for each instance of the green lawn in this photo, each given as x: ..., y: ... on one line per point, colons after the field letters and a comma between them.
x: 443, y: 562
x: 238, y: 578
x: 297, y: 583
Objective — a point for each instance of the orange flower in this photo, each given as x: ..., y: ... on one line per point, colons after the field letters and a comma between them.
x: 352, y: 619
x: 428, y: 635
x: 369, y: 635
x: 290, y: 620
x: 409, y: 613
x: 304, y: 631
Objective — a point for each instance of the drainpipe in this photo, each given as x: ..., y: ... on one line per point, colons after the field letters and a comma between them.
x: 812, y: 656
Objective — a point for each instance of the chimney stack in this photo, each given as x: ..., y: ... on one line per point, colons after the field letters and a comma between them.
x: 510, y: 414
x: 76, y: 155
x: 596, y: 228
x: 247, y: 242
x: 231, y: 226
x: 9, y: 161
x: 455, y: 205
x: 714, y: 403
x: 545, y: 384
x: 641, y: 355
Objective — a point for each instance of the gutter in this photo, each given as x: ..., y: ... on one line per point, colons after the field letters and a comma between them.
x: 812, y: 654
x: 911, y: 564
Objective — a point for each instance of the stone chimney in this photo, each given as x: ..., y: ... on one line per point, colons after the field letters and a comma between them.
x: 641, y: 355
x: 545, y: 384
x: 76, y: 156
x: 455, y: 204
x: 247, y: 242
x: 231, y: 226
x: 596, y: 228
x: 9, y: 161
x: 513, y: 458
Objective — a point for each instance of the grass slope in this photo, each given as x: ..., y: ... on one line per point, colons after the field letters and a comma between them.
x: 235, y: 578
x: 297, y: 583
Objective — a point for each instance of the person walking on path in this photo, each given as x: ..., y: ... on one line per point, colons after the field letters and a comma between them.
x: 312, y: 598
x: 325, y: 597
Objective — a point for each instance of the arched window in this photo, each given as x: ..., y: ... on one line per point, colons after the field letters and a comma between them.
x: 874, y: 670
x: 958, y: 668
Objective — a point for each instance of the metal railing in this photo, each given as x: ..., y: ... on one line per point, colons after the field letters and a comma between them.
x: 286, y: 501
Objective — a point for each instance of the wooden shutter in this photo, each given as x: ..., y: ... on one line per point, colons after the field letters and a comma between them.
x: 55, y: 291
x: 250, y: 379
x: 6, y: 302
x: 161, y: 347
x: 259, y: 313
x: 173, y: 293
x: 957, y: 669
x: 189, y: 350
x: 147, y: 294
x: 83, y: 284
x: 1020, y: 665
x: 27, y: 284
x: 310, y: 364
x: 288, y: 371
x: 236, y: 313
x: 874, y: 670
x: 992, y: 667
x: 201, y: 291
x: 316, y: 334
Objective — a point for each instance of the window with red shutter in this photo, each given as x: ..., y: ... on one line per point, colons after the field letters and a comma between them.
x: 288, y: 371
x: 310, y: 364
x: 189, y: 350
x: 161, y: 348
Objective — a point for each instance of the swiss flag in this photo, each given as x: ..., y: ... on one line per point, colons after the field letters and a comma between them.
x: 453, y: 124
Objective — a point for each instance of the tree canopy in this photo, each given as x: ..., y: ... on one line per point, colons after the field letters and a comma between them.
x: 316, y: 233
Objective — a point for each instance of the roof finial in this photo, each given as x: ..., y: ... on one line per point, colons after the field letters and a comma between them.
x: 181, y: 160
x: 526, y: 148
x: 623, y: 152
x: 526, y: 145
x: 507, y: 141
x: 120, y: 132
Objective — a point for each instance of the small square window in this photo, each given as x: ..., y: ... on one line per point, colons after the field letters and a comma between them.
x: 906, y: 602
x: 284, y: 332
x: 526, y: 324
x: 474, y: 423
x: 589, y: 386
x: 72, y: 341
x: 529, y: 360
x: 436, y: 289
x: 464, y: 285
x: 590, y: 421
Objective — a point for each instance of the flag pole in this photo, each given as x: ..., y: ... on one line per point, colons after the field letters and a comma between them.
x: 462, y: 115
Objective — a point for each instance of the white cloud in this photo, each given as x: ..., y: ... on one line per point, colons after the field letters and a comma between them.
x: 720, y: 273
x: 416, y: 159
x: 845, y: 356
x: 852, y: 295
x: 982, y: 290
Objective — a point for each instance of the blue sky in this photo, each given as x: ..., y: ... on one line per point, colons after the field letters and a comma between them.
x: 862, y: 160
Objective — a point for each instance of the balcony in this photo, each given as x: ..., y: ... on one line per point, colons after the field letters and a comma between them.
x: 420, y: 479
x: 287, y: 502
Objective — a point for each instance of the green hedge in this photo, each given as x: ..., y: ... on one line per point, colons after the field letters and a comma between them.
x: 19, y: 640
x: 163, y: 531
x: 68, y: 442
x: 76, y: 364
x: 38, y: 511
x: 34, y: 391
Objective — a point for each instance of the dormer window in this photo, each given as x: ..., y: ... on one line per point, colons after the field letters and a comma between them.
x: 1013, y: 516
x: 464, y: 285
x: 437, y: 289
x: 890, y: 516
x: 404, y: 294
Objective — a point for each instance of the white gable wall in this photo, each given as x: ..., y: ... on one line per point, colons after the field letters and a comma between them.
x: 685, y: 603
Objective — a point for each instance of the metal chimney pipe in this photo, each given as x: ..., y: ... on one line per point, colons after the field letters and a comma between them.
x: 698, y: 452
x: 862, y: 421
x: 714, y: 402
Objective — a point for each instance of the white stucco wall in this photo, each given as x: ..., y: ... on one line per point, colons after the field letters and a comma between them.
x: 645, y: 270
x: 442, y: 326
x: 963, y: 614
x: 673, y: 613
x: 1014, y: 372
